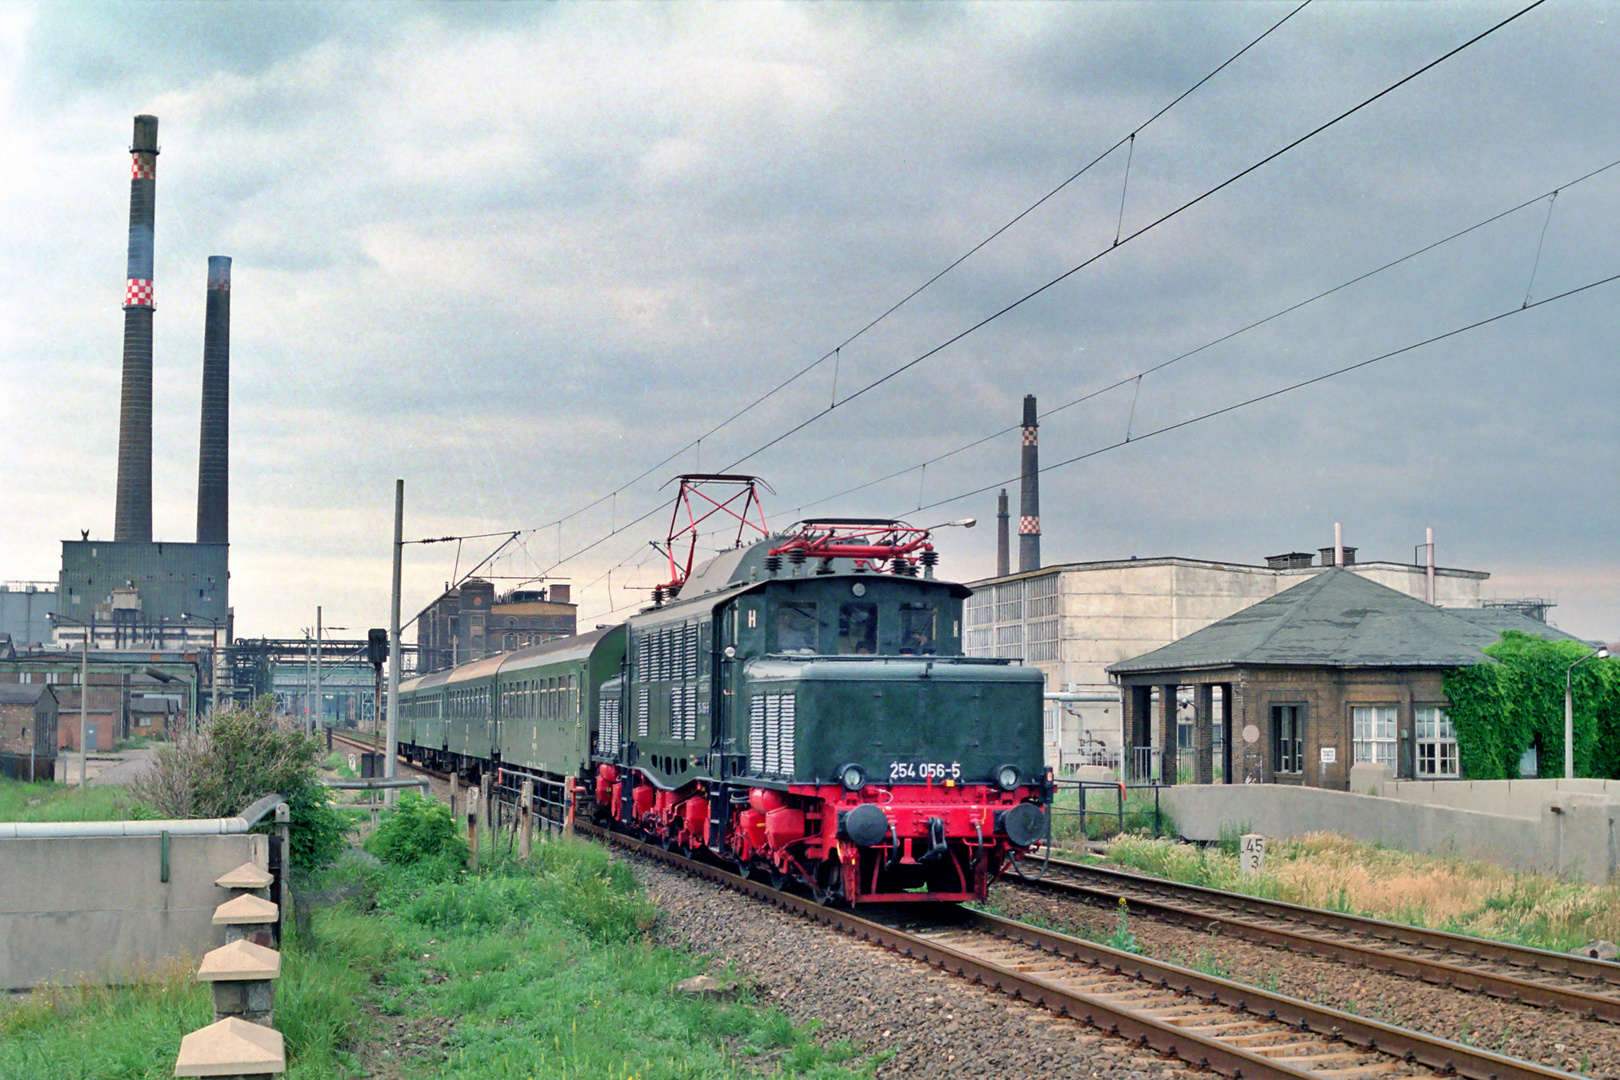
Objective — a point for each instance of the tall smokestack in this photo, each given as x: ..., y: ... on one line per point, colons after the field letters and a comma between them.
x: 132, y: 520
x: 1003, y: 560
x: 1029, y: 495
x: 214, y: 449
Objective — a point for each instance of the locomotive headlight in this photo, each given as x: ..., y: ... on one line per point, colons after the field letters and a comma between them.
x: 853, y: 777
x: 1007, y: 777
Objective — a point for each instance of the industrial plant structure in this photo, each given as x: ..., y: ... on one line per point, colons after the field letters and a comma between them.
x: 134, y: 593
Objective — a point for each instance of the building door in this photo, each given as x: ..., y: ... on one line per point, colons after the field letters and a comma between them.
x: 90, y: 739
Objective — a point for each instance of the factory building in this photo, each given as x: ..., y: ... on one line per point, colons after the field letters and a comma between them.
x: 25, y: 611
x: 470, y: 622
x: 134, y: 594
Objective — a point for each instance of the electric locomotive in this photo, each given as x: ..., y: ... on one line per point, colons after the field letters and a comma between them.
x: 800, y: 707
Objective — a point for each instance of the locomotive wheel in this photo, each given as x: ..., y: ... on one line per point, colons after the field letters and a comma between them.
x: 832, y: 890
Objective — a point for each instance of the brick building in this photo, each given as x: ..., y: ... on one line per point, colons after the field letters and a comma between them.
x: 1298, y: 688
x: 471, y: 622
x: 28, y: 732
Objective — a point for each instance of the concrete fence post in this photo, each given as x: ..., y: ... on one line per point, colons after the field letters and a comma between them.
x: 472, y: 828
x: 486, y: 812
x: 526, y: 838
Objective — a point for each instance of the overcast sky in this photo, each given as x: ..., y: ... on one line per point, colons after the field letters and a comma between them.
x: 519, y: 254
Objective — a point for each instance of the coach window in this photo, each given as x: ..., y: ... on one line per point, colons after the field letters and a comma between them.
x: 857, y: 629
x: 918, y: 628
x: 1288, y: 738
x: 796, y: 627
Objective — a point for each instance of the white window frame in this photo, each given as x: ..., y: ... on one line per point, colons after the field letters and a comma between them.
x: 1436, y: 744
x: 1375, y: 728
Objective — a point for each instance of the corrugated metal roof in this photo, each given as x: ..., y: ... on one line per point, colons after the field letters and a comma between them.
x: 1338, y: 619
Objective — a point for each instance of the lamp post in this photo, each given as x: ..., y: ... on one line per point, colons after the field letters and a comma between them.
x: 84, y: 692
x: 1569, y: 709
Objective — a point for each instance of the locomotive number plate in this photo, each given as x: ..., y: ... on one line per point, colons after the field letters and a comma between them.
x: 923, y: 771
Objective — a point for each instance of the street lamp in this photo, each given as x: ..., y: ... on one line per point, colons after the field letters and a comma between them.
x: 1569, y: 710
x: 213, y: 658
x: 84, y: 692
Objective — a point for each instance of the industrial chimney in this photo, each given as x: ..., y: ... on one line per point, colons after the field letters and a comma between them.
x: 132, y: 521
x: 214, y: 452
x: 1003, y: 560
x: 1029, y: 495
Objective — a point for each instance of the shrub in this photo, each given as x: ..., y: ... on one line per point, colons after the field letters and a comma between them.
x: 417, y: 828
x: 240, y: 756
x: 1516, y: 700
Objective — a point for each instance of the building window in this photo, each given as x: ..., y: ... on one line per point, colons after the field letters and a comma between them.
x: 1436, y: 742
x: 1374, y: 734
x: 1288, y: 738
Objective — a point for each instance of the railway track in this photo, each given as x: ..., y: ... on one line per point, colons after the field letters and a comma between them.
x: 1588, y: 988
x: 1205, y: 1021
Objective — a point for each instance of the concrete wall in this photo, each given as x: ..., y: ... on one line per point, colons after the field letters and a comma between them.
x: 1515, y: 798
x: 95, y: 907
x: 1574, y: 834
x: 1279, y: 810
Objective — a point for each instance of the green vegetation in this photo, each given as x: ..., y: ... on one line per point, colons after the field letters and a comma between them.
x: 1443, y: 892
x: 418, y: 828
x: 242, y: 755
x: 1501, y: 708
x: 58, y: 802
x: 428, y: 970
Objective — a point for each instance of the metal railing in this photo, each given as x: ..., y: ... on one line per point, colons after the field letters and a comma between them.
x: 1073, y: 813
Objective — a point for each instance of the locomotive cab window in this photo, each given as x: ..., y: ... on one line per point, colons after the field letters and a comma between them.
x: 797, y: 627
x: 857, y: 629
x: 919, y: 629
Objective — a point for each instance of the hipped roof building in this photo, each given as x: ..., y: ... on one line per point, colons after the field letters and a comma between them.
x: 1335, y: 670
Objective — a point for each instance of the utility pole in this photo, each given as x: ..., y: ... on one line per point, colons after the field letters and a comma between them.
x: 320, y: 705
x: 391, y: 740
x: 84, y: 708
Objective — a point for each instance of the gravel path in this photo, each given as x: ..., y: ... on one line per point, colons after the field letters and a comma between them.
x: 1547, y: 1036
x: 931, y: 1023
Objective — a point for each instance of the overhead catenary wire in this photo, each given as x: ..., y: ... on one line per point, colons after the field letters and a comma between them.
x: 894, y: 373
x: 1223, y: 338
x: 1291, y: 387
x: 1150, y: 226
x: 836, y: 350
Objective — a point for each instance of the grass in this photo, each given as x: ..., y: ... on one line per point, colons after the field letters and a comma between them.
x: 21, y: 801
x: 1102, y: 815
x: 427, y: 971
x: 1443, y: 892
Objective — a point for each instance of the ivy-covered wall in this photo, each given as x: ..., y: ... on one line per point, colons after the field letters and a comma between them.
x: 1501, y: 707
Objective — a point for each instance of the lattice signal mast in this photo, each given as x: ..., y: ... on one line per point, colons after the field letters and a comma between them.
x: 703, y: 496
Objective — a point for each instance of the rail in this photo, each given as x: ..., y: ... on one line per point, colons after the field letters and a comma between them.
x: 1458, y: 961
x: 1113, y: 1012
